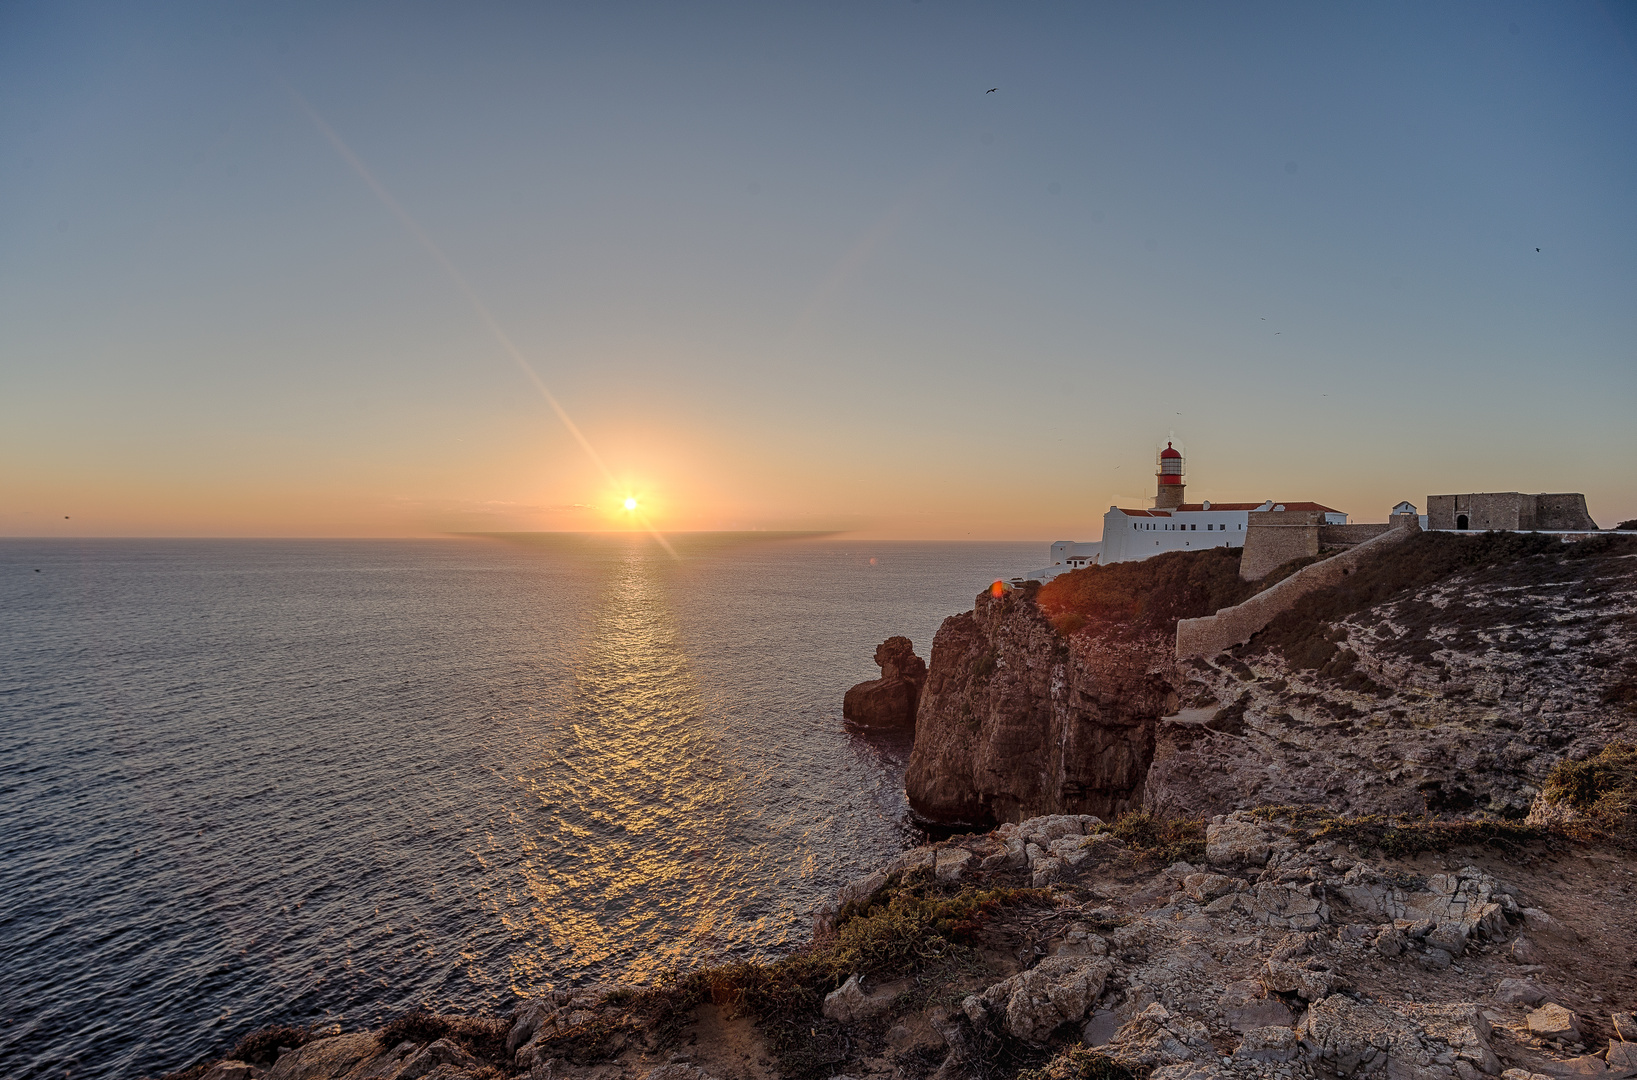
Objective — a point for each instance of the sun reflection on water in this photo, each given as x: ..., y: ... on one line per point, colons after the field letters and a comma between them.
x: 635, y: 792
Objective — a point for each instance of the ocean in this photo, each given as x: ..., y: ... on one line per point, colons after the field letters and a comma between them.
x: 246, y: 782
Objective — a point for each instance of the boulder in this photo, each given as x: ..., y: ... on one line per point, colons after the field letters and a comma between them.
x: 849, y: 1002
x: 1237, y: 838
x: 891, y: 700
x: 1625, y: 1026
x: 441, y: 1052
x: 1056, y: 991
x: 1553, y: 1021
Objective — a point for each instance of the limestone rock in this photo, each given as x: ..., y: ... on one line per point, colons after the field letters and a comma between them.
x: 322, y: 1059
x: 1348, y: 1036
x: 1244, y: 1006
x: 849, y: 1002
x: 1156, y: 1038
x: 231, y: 1070
x: 951, y: 863
x: 1553, y: 1021
x: 891, y: 700
x: 1058, y: 990
x: 440, y: 1053
x: 1267, y: 1044
x: 1236, y: 839
x: 1622, y: 1059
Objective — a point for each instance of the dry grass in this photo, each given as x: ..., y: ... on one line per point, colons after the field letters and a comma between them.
x: 1162, y: 840
x: 1403, y: 834
x: 1595, y: 798
x: 1080, y: 1063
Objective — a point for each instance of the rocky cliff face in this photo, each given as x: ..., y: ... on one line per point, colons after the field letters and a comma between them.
x: 1016, y: 720
x: 1450, y: 675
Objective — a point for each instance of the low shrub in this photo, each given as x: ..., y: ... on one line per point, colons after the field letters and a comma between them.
x: 1165, y: 840
x: 1596, y: 797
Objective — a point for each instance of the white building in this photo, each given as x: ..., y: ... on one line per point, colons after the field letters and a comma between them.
x: 1171, y: 525
x: 1137, y: 534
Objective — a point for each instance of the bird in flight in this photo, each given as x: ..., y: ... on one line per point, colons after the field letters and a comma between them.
x: 992, y: 89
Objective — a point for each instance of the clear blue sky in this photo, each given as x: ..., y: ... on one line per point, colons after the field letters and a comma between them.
x: 790, y: 266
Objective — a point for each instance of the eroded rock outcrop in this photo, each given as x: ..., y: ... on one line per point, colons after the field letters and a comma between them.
x: 891, y: 700
x: 1015, y: 720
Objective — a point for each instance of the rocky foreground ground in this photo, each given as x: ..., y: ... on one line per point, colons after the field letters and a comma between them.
x: 1269, y: 945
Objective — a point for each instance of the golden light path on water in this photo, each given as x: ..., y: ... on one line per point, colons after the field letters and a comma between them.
x: 634, y: 777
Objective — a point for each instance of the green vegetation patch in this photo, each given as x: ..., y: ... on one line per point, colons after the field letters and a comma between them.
x: 1602, y: 791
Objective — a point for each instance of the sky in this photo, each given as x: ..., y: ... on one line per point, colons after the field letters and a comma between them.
x: 411, y: 268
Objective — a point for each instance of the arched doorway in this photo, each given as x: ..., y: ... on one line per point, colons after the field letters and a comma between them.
x: 1460, y: 521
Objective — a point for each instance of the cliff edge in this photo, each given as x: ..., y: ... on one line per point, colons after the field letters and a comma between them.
x: 1443, y: 672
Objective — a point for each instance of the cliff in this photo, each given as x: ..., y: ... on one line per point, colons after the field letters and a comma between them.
x: 1442, y: 672
x: 1016, y: 720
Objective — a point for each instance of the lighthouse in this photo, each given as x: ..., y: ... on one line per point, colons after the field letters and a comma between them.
x: 1169, y: 494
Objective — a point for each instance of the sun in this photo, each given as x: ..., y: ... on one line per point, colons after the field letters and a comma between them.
x: 630, y: 503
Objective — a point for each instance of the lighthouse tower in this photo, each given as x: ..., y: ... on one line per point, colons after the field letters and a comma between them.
x: 1169, y: 495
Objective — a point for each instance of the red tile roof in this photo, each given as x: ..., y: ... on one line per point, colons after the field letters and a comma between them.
x: 1197, y: 507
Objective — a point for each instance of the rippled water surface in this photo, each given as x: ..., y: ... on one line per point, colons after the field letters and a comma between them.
x: 254, y: 781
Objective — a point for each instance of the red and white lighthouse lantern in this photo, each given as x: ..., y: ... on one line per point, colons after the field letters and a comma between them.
x: 1169, y: 493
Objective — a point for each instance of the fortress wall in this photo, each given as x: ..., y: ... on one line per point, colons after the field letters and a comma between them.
x: 1236, y: 625
x: 1347, y: 535
x: 1563, y: 511
x: 1274, y: 537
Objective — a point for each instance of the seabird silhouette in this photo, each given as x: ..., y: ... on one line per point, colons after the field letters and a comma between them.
x: 992, y: 89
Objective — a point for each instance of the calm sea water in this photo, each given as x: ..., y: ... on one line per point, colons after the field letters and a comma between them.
x: 245, y: 782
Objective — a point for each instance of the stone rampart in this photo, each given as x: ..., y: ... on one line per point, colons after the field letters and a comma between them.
x: 1236, y: 625
x: 1348, y: 535
x: 1274, y: 537
x: 1563, y: 511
